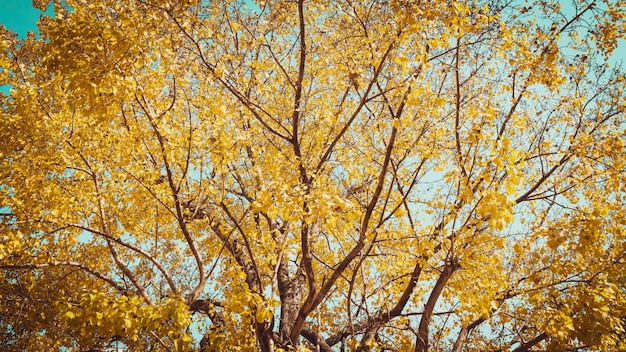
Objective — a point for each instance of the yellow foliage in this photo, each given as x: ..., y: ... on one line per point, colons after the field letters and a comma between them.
x: 313, y: 175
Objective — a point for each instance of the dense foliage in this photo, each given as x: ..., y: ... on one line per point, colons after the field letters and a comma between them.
x: 321, y: 175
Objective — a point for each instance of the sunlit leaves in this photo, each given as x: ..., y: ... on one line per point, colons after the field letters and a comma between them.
x: 267, y: 175
x: 97, y: 316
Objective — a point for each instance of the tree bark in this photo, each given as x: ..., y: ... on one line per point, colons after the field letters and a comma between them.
x: 421, y: 343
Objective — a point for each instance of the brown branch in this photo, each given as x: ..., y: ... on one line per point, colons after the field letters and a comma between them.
x: 458, y: 344
x: 177, y: 202
x: 234, y: 250
x: 526, y: 346
x: 316, y: 340
x: 65, y: 263
x: 257, y: 279
x: 282, y: 68
x: 539, y: 182
x: 105, y: 229
x: 297, y: 108
x: 308, y: 306
x: 374, y: 324
x: 160, y: 341
x: 351, y: 285
x: 457, y: 112
x: 147, y: 188
x: 356, y: 112
x: 241, y: 97
x: 207, y: 306
x: 307, y: 258
x: 544, y: 52
x: 132, y: 247
x: 421, y: 343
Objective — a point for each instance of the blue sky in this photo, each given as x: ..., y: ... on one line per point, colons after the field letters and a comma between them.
x: 19, y: 16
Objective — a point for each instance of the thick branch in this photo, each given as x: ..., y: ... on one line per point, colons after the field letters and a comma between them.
x: 208, y: 306
x: 458, y: 344
x: 526, y: 346
x: 255, y: 268
x: 421, y: 344
x: 234, y: 250
x: 457, y: 111
x: 316, y: 340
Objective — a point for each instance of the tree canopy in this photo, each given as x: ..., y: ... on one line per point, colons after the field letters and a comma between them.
x: 321, y: 175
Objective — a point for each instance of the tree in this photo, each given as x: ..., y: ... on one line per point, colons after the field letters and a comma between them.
x: 329, y: 175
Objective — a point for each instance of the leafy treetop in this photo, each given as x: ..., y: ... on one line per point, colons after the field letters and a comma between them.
x: 321, y: 175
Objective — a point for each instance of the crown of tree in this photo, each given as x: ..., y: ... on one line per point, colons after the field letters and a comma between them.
x: 314, y: 175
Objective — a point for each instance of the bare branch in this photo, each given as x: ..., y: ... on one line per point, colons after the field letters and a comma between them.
x: 65, y: 263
